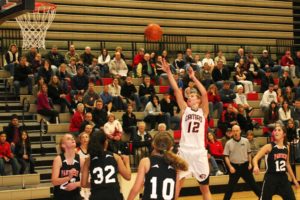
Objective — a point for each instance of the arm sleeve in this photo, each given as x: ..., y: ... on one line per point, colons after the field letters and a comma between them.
x: 226, y: 149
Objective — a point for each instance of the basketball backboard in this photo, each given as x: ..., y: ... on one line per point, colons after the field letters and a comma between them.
x: 10, y: 9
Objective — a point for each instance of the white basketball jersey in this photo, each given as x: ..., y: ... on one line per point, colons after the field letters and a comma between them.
x: 193, y: 129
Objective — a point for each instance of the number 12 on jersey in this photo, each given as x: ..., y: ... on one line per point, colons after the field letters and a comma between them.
x: 193, y: 127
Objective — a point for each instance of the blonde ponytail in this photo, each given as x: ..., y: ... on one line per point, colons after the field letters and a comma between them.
x: 175, y: 161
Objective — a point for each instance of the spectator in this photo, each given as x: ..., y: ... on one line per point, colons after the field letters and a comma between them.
x: 241, y: 78
x: 138, y: 58
x: 238, y: 159
x: 118, y: 67
x: 214, y: 101
x: 253, y: 144
x: 221, y: 74
x: 38, y: 86
x: 266, y: 80
x: 113, y: 130
x: 207, y: 59
x: 287, y: 63
x: 55, y: 57
x: 45, y: 71
x: 188, y: 57
x: 284, y: 113
x: 94, y: 71
x: 22, y: 76
x: 77, y: 120
x: 205, y: 75
x: 296, y: 112
x: 229, y: 119
x: 128, y: 91
x: 31, y: 54
x: 44, y: 107
x: 197, y: 66
x: 72, y: 68
x: 24, y: 154
x: 252, y: 59
x: 13, y: 131
x: 99, y: 114
x: 103, y: 61
x: 171, y: 110
x: 119, y: 50
x: 272, y: 116
x: 141, y: 141
x: 88, y: 129
x: 88, y: 120
x: 291, y: 130
x: 153, y: 113
x: 153, y: 57
x: 129, y: 121
x: 114, y: 89
x: 158, y: 66
x: 71, y: 54
x: 252, y: 73
x: 179, y: 62
x: 64, y: 77
x: 6, y: 156
x: 12, y: 58
x: 145, y: 67
x: 161, y: 127
x: 280, y: 96
x: 241, y: 98
x: 164, y: 55
x: 215, y: 151
x: 228, y: 135
x: 87, y: 56
x: 297, y: 63
x: 240, y: 55
x: 268, y: 96
x: 36, y: 64
x: 289, y: 95
x: 146, y: 90
x: 266, y: 62
x: 90, y: 97
x: 220, y: 57
x: 227, y: 94
x: 58, y: 96
x: 243, y: 66
x: 285, y: 80
x: 244, y: 120
x: 106, y: 99
x: 80, y: 82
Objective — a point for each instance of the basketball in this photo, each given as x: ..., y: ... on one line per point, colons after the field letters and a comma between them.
x: 153, y: 32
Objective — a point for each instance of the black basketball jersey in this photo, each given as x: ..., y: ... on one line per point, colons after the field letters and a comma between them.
x: 60, y: 191
x: 160, y: 180
x: 277, y: 159
x: 104, y: 180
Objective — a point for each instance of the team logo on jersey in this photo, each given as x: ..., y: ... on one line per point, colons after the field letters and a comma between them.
x: 202, y: 176
x: 193, y: 117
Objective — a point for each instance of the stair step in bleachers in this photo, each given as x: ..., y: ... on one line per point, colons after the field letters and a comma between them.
x: 29, y: 193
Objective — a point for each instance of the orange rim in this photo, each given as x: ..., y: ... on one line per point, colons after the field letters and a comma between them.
x: 48, y: 6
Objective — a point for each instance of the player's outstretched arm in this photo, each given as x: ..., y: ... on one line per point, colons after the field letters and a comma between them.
x: 202, y: 90
x: 290, y: 171
x: 85, y: 173
x: 177, y: 92
x: 123, y: 166
x: 139, y: 181
x: 263, y: 151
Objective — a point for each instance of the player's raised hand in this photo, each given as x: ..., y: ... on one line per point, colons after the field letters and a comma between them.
x: 191, y: 73
x: 165, y: 66
x: 296, y: 183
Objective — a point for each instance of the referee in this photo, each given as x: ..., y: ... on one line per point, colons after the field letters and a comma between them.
x: 237, y: 154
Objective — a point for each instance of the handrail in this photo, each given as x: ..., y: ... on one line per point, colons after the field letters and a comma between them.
x: 43, y: 130
x: 23, y: 108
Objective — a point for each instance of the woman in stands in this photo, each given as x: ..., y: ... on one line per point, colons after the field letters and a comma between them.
x: 38, y: 86
x: 193, y: 132
x: 66, y: 169
x: 44, y: 107
x: 104, y: 166
x: 77, y: 120
x: 216, y: 149
x: 276, y: 180
x: 157, y: 173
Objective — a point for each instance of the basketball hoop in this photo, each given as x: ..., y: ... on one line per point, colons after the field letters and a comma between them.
x: 34, y: 25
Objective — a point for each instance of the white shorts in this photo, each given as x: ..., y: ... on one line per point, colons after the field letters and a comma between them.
x: 197, y: 161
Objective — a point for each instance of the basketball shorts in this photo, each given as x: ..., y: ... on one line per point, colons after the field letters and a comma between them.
x: 198, y: 164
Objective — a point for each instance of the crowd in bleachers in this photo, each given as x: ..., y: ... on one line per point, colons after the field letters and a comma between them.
x: 69, y: 80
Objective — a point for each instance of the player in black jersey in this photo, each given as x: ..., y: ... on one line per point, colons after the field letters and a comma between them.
x: 104, y: 167
x: 277, y: 162
x: 66, y: 170
x: 158, y: 172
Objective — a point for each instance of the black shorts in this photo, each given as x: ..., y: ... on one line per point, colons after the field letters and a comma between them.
x: 277, y: 184
x: 205, y: 182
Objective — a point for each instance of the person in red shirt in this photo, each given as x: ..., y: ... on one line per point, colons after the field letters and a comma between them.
x: 77, y: 120
x: 6, y: 156
x: 138, y: 58
x: 287, y: 62
x: 44, y: 107
x: 215, y: 148
x: 214, y: 101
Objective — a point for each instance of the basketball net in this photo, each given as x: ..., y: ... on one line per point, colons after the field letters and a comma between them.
x: 34, y: 25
